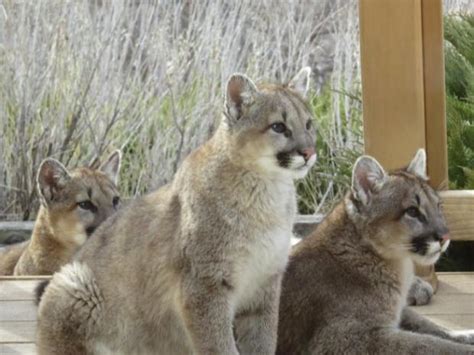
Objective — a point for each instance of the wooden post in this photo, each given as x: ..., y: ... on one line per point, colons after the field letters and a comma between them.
x: 403, y: 85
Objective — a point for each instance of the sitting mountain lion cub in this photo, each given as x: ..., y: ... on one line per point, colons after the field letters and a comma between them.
x: 345, y: 287
x: 195, y: 267
x: 73, y: 204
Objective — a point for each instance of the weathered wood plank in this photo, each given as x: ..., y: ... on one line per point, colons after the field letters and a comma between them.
x: 449, y: 304
x: 456, y: 283
x: 16, y: 349
x: 16, y: 290
x: 453, y: 321
x: 458, y: 207
x: 17, y: 332
x: 25, y: 277
x: 11, y: 311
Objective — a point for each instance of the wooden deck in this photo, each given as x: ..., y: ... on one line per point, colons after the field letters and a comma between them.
x: 452, y: 307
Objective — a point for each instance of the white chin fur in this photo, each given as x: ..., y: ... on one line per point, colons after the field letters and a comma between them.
x: 435, y: 249
x: 298, y: 167
x: 445, y: 246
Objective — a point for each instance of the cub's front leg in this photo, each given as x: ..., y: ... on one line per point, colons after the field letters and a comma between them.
x: 414, y: 322
x: 256, y: 328
x: 207, y: 314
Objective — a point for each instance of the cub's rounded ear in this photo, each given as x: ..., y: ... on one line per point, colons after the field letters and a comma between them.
x: 52, y: 178
x: 111, y: 167
x: 367, y: 178
x: 417, y: 166
x: 240, y: 92
x: 300, y: 82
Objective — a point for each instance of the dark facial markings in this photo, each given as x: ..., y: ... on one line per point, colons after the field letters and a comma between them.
x: 419, y: 245
x: 284, y: 159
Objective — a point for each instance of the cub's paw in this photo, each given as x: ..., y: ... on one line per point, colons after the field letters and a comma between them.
x: 420, y: 292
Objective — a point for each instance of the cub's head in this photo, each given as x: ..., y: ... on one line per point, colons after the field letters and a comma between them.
x: 78, y: 201
x: 269, y: 127
x: 400, y: 212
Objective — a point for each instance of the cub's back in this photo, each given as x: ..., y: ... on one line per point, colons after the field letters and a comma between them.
x: 133, y: 237
x: 9, y: 257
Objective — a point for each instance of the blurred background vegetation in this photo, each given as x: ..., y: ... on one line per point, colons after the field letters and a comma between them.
x: 459, y: 65
x: 80, y: 78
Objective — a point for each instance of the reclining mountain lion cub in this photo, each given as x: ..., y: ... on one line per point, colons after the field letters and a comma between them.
x: 73, y: 205
x: 345, y: 287
x: 195, y: 267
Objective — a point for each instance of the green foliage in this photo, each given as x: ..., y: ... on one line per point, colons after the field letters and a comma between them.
x: 329, y: 180
x: 459, y: 64
x: 459, y: 59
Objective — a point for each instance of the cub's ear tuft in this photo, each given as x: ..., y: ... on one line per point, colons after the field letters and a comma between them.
x: 367, y: 177
x: 52, y: 178
x: 417, y: 166
x: 111, y: 167
x: 300, y: 82
x: 240, y: 92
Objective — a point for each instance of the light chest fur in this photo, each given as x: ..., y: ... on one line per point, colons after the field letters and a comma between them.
x: 261, y: 223
x: 406, y: 274
x: 265, y: 257
x: 266, y: 253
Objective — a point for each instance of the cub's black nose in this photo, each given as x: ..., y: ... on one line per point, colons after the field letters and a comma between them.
x: 90, y: 230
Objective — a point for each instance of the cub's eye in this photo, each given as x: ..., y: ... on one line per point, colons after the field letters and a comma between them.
x: 87, y: 205
x: 308, y: 124
x: 115, y: 201
x: 278, y: 127
x: 413, y: 212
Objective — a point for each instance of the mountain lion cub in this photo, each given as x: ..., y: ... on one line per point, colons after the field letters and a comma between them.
x: 195, y: 267
x: 345, y: 287
x: 73, y: 204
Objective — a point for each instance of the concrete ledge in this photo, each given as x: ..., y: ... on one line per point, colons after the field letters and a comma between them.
x: 14, y: 232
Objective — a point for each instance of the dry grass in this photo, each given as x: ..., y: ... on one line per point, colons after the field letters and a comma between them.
x: 80, y: 78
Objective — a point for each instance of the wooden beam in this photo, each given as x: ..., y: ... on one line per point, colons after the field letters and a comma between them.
x: 434, y: 86
x: 458, y: 207
x: 392, y: 79
x: 403, y: 83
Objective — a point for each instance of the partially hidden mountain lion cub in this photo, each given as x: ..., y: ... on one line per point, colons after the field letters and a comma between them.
x: 195, y: 267
x: 345, y: 287
x: 73, y: 204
